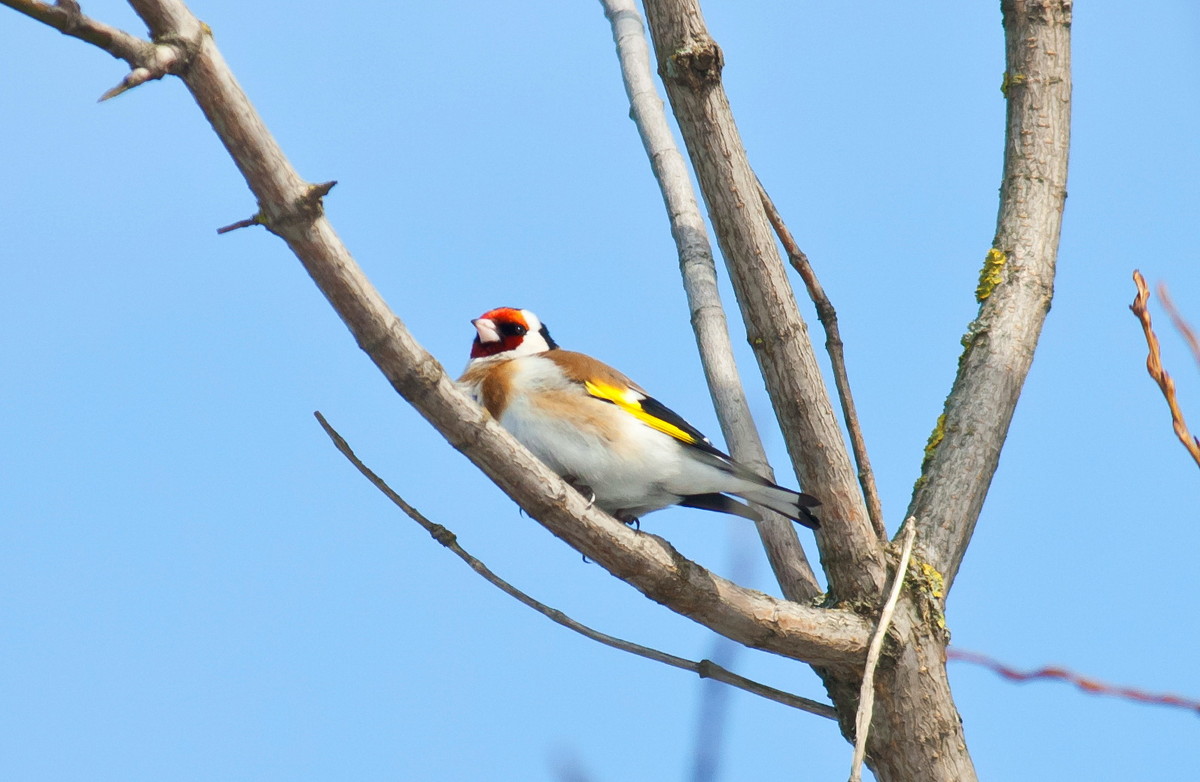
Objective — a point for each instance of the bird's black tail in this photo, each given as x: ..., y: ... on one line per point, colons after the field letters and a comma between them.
x: 794, y: 505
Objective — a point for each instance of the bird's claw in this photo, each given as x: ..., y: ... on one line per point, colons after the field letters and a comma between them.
x: 583, y: 489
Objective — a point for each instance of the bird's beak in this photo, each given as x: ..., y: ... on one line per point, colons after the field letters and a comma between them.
x: 487, y: 329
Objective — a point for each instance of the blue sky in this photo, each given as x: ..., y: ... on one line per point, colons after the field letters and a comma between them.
x: 195, y: 585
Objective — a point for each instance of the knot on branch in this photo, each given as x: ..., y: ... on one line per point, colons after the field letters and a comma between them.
x: 443, y: 535
x: 72, y: 17
x: 172, y: 54
x: 697, y: 64
x: 304, y: 209
x: 310, y: 206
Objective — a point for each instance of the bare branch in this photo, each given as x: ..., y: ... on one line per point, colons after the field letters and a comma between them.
x: 1154, y: 366
x: 837, y: 359
x: 66, y: 17
x: 690, y: 63
x: 866, y: 697
x: 1015, y: 286
x: 246, y: 223
x: 147, y: 60
x: 1084, y: 683
x: 705, y: 669
x: 699, y: 271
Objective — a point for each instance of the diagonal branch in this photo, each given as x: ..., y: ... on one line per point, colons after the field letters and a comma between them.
x: 690, y: 63
x: 705, y: 669
x: 291, y: 208
x: 1015, y: 287
x: 147, y: 60
x: 66, y: 17
x: 699, y: 271
x: 837, y: 359
x: 1154, y: 366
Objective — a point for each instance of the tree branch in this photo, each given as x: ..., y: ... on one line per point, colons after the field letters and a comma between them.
x: 1154, y: 366
x: 291, y: 208
x: 705, y: 669
x: 837, y: 359
x: 1084, y: 683
x: 147, y: 60
x: 66, y: 17
x: 690, y: 63
x: 699, y: 272
x: 1015, y: 286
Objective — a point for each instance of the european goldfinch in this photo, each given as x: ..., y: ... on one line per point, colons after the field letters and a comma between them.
x: 604, y: 434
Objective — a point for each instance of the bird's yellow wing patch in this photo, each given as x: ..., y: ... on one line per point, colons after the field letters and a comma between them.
x: 632, y: 402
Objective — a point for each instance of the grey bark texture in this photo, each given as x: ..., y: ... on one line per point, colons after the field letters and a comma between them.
x: 1015, y: 288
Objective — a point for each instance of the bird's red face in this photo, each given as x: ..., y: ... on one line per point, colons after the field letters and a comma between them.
x: 507, y: 329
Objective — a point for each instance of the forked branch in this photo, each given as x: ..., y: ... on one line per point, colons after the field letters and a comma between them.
x: 147, y: 60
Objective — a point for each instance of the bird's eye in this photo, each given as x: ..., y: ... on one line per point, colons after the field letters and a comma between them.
x: 512, y: 329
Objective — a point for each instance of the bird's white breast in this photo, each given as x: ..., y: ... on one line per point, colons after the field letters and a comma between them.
x: 630, y: 467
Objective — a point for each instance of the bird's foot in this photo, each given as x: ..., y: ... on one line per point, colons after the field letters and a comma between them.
x: 582, y: 488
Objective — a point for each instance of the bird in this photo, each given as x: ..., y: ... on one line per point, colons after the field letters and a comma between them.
x: 603, y: 434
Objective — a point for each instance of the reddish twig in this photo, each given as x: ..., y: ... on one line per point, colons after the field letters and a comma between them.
x: 1181, y: 325
x: 1154, y: 366
x: 1082, y: 682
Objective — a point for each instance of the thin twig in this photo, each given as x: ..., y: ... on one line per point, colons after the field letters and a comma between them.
x: 1086, y: 684
x: 246, y: 223
x: 1181, y: 325
x: 705, y: 669
x: 699, y: 271
x: 1154, y: 366
x: 837, y: 359
x: 866, y: 696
